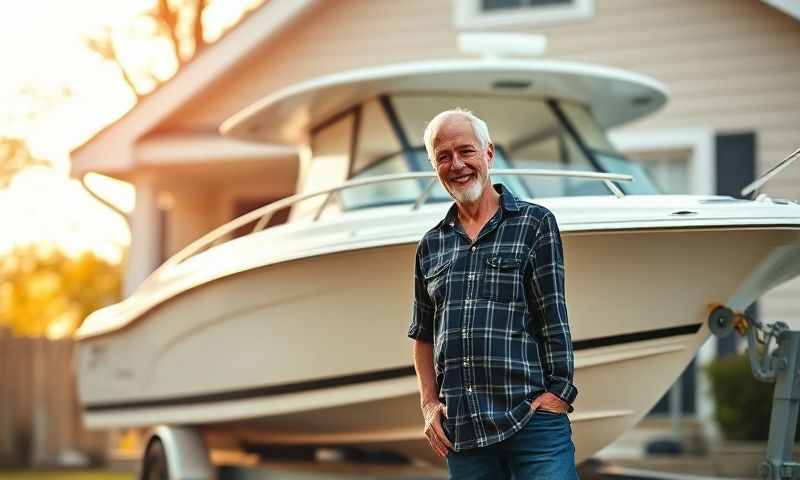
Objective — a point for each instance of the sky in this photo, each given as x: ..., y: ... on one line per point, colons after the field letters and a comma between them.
x: 75, y: 93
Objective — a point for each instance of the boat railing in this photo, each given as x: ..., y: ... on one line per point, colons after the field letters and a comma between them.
x: 262, y: 215
x: 771, y: 172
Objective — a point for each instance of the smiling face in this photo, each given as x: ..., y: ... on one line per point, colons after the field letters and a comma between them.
x: 462, y: 166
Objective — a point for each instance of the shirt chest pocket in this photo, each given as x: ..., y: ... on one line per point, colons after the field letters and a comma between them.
x: 502, y: 278
x: 436, y: 281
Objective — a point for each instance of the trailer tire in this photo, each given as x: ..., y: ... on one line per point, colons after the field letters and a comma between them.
x: 154, y: 464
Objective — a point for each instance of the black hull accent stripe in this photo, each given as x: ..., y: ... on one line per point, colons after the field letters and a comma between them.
x: 365, y: 377
x: 636, y: 337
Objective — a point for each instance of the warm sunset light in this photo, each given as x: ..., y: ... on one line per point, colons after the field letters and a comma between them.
x: 57, y: 93
x: 448, y: 239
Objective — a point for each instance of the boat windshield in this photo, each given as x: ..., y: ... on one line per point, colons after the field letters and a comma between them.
x: 527, y: 133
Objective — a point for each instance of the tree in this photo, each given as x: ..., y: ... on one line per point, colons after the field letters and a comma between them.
x: 179, y: 22
x: 44, y: 292
x: 15, y: 156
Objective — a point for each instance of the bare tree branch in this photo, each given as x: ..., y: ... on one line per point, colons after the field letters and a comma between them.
x: 180, y: 22
x: 102, y: 44
x: 169, y: 20
x: 197, y: 25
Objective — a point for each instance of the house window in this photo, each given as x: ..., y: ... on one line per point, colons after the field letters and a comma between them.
x: 677, y: 160
x: 668, y: 169
x: 488, y: 5
x: 505, y: 13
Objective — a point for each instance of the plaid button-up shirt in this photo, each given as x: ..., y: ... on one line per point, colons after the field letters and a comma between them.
x: 496, y: 314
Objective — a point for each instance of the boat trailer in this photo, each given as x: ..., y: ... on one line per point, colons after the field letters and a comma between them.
x: 782, y: 366
x: 179, y: 452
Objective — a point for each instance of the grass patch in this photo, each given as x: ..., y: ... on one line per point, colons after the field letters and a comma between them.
x: 64, y: 475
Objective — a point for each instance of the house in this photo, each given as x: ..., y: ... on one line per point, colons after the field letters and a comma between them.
x: 731, y: 66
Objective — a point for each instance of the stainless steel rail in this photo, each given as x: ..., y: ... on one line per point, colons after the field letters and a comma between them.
x: 767, y: 176
x: 263, y: 214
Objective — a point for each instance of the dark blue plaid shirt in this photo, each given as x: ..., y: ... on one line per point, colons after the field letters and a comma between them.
x: 496, y: 314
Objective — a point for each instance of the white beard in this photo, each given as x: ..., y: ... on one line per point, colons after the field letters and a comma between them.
x: 470, y: 194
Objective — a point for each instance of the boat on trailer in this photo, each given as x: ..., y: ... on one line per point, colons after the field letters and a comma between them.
x: 296, y: 334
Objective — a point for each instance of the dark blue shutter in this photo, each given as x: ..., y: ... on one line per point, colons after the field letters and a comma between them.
x: 736, y: 167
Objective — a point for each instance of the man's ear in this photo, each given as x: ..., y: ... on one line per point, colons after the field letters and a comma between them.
x: 490, y: 154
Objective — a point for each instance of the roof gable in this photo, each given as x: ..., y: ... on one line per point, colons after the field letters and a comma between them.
x: 111, y: 148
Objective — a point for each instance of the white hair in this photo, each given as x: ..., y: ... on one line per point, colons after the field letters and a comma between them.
x: 479, y: 128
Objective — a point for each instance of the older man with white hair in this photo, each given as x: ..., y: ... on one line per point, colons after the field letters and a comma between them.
x: 492, y: 349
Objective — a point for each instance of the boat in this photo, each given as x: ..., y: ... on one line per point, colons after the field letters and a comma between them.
x: 295, y: 335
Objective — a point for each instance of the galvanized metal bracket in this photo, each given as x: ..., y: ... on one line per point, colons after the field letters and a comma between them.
x: 781, y: 366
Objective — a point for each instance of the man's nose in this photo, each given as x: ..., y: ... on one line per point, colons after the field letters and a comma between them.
x: 458, y: 162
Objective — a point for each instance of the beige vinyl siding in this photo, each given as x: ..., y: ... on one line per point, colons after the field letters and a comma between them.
x: 730, y: 66
x: 339, y: 35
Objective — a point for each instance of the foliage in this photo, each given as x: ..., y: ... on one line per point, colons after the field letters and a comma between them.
x: 743, y: 404
x: 45, y: 292
x: 177, y: 24
x: 15, y: 156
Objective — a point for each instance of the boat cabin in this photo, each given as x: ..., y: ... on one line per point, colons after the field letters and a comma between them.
x: 369, y: 123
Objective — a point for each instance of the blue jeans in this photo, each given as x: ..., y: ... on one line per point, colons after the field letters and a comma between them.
x: 543, y: 449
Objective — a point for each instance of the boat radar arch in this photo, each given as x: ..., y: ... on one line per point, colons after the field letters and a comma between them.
x: 285, y: 117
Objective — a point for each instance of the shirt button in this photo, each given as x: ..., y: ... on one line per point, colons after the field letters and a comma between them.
x: 473, y: 249
x: 463, y: 331
x: 471, y: 276
x: 469, y: 389
x: 466, y: 364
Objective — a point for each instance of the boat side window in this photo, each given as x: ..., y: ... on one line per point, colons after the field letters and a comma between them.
x: 376, y: 139
x: 330, y: 149
x: 529, y: 133
x: 604, y: 152
x: 552, y: 147
x: 379, y: 151
x: 584, y: 122
x: 387, y: 193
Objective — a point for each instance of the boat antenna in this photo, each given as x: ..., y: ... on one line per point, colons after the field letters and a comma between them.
x: 494, y: 45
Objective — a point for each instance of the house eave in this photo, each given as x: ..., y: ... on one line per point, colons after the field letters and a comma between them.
x: 111, y: 150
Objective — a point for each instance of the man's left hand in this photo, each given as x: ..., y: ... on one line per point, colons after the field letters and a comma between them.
x: 550, y: 403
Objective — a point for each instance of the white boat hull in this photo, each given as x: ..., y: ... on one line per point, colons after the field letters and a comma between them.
x: 314, y: 351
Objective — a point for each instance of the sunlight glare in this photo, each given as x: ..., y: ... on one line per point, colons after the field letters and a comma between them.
x: 44, y: 207
x: 41, y: 43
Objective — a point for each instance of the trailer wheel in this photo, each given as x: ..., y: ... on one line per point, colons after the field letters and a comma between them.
x: 154, y: 464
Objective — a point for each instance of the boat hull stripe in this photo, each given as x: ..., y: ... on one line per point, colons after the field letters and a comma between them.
x: 344, y: 380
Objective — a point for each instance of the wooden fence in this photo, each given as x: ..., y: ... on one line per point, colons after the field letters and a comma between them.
x: 39, y: 415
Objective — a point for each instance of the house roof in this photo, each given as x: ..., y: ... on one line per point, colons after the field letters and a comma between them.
x: 110, y: 149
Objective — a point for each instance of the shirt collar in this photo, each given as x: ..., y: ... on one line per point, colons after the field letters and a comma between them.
x: 508, y: 204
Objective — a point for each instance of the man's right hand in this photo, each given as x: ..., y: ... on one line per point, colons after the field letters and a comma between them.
x: 433, y: 413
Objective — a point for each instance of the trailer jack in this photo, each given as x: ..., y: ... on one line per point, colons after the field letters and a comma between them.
x: 781, y: 366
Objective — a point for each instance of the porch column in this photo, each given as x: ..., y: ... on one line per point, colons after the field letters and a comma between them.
x: 143, y: 256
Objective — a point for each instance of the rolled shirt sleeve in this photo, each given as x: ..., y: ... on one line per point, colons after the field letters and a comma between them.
x: 550, y: 309
x: 422, y: 310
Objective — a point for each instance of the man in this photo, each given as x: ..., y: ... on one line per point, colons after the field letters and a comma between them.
x: 493, y: 352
